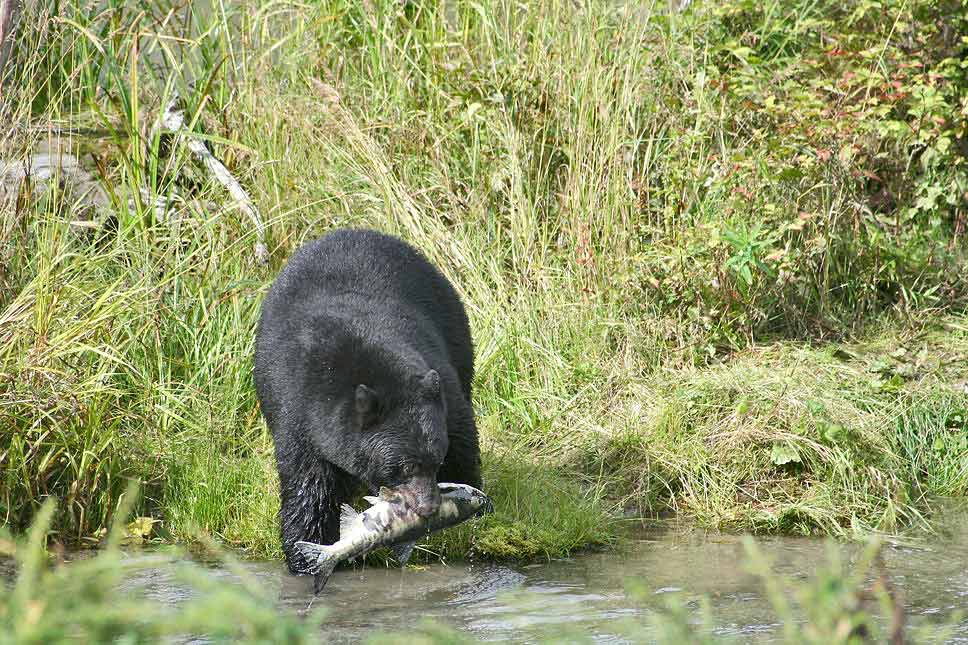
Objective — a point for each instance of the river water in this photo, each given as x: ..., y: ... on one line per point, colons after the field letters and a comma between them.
x: 587, y: 595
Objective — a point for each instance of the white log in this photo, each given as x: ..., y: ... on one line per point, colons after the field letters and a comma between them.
x: 173, y: 120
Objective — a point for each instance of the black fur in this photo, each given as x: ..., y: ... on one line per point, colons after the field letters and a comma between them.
x: 363, y: 368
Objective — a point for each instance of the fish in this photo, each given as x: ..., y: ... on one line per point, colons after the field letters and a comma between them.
x: 392, y: 523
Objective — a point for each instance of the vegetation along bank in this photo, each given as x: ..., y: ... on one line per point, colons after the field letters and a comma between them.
x: 714, y: 258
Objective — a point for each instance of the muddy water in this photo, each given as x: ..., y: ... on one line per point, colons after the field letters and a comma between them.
x: 587, y: 594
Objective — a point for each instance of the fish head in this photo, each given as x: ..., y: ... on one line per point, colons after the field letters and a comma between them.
x: 403, y: 450
x: 468, y: 500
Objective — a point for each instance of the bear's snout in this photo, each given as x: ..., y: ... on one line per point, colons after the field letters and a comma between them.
x: 422, y: 495
x: 427, y: 506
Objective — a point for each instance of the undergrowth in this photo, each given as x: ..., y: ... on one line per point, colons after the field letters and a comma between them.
x: 714, y: 259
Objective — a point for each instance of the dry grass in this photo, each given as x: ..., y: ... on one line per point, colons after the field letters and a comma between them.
x: 567, y: 169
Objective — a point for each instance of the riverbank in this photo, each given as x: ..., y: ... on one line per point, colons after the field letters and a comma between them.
x: 714, y: 259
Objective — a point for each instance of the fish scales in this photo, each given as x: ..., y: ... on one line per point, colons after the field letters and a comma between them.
x: 390, y: 522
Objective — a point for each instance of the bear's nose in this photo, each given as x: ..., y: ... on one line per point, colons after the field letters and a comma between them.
x: 427, y: 505
x: 426, y: 496
x: 426, y: 508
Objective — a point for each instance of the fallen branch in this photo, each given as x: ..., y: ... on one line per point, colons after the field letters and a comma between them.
x: 173, y: 120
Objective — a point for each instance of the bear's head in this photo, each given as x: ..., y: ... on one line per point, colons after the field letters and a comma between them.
x: 403, y: 442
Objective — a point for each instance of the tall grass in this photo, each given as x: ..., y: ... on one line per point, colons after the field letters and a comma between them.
x: 630, y: 218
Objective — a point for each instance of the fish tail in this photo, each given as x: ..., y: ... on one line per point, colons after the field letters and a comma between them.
x: 322, y: 575
x: 322, y: 561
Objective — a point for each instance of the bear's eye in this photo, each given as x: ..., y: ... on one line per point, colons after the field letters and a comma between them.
x: 367, y: 405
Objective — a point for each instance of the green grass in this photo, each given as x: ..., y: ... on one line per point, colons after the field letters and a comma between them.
x: 85, y: 601
x: 789, y: 438
x: 691, y: 246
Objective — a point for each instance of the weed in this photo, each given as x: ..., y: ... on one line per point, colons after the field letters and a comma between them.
x: 635, y: 204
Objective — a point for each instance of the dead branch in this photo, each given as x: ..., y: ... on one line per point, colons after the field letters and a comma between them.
x: 173, y: 120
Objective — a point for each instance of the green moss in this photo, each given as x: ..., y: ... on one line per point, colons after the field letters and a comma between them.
x: 540, y: 512
x: 514, y: 540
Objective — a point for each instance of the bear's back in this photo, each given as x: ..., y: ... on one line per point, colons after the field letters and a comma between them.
x: 374, y: 265
x: 379, y: 280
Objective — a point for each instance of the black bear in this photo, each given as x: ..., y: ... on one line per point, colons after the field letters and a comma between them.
x: 363, y: 369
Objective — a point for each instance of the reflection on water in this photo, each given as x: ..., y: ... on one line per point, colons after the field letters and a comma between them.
x: 587, y: 593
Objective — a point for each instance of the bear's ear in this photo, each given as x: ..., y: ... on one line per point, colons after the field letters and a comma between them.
x: 430, y: 384
x: 366, y: 403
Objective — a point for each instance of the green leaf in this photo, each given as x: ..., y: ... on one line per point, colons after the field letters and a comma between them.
x: 835, y: 433
x: 746, y: 274
x: 894, y: 383
x: 138, y: 530
x: 784, y: 453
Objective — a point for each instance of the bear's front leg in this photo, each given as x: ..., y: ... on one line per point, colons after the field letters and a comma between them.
x: 463, y: 462
x: 311, y: 495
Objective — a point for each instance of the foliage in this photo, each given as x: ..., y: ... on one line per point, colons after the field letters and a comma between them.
x: 86, y: 600
x: 827, y: 178
x: 635, y: 204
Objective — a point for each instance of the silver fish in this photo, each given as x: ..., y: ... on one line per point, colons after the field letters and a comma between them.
x: 391, y: 522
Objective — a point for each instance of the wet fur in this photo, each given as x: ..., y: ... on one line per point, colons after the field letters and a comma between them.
x: 361, y: 308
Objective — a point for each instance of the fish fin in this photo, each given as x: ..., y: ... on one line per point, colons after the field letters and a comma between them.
x: 322, y: 562
x: 322, y: 575
x: 312, y: 553
x: 347, y: 515
x: 373, y: 501
x: 402, y: 552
